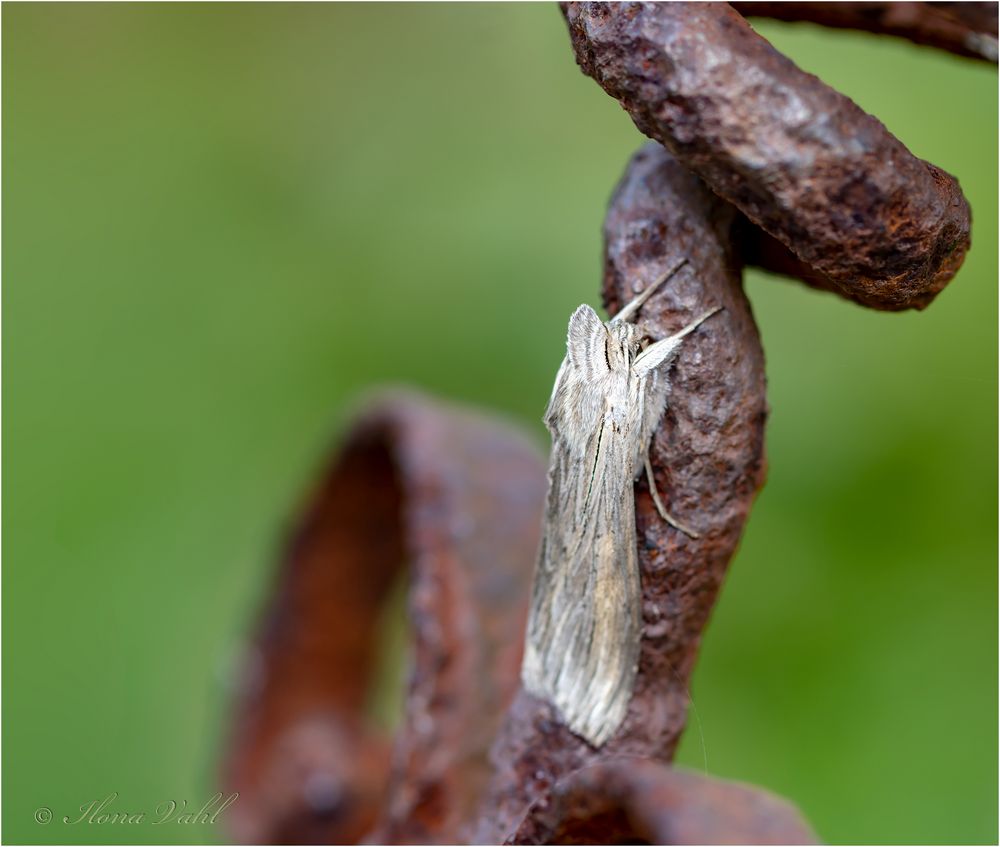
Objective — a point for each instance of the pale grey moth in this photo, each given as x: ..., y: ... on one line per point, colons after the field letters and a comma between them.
x: 584, y: 626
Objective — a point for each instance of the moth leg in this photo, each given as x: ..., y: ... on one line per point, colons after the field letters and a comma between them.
x: 659, y: 503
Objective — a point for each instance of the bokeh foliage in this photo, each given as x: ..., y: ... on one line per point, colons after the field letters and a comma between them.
x: 223, y: 221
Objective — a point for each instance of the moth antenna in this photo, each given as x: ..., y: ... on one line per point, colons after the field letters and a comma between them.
x: 635, y: 304
x: 691, y: 327
x: 659, y: 352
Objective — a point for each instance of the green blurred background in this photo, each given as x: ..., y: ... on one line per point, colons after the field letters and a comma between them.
x: 223, y: 221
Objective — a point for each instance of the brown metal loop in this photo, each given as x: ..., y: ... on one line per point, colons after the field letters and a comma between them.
x: 965, y: 29
x: 457, y: 499
x: 798, y: 159
x: 708, y: 459
x: 635, y: 801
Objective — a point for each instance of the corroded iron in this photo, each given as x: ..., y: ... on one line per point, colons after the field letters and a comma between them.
x: 800, y: 160
x: 966, y: 29
x: 635, y: 801
x: 708, y: 457
x: 455, y: 498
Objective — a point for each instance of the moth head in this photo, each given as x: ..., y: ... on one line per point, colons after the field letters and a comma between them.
x: 631, y: 336
x: 624, y: 342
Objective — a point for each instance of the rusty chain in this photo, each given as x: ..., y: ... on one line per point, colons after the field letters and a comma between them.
x: 752, y: 161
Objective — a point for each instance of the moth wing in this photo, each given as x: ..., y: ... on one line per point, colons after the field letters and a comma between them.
x: 585, y: 341
x: 577, y: 402
x: 584, y: 628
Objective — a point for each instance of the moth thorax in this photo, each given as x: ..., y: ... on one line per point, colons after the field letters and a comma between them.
x: 627, y: 338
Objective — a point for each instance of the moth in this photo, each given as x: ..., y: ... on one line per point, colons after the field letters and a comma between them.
x: 584, y: 625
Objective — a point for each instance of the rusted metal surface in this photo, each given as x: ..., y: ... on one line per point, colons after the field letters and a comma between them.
x: 800, y: 160
x: 472, y: 515
x: 635, y: 801
x: 458, y: 499
x: 709, y: 461
x: 966, y: 29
